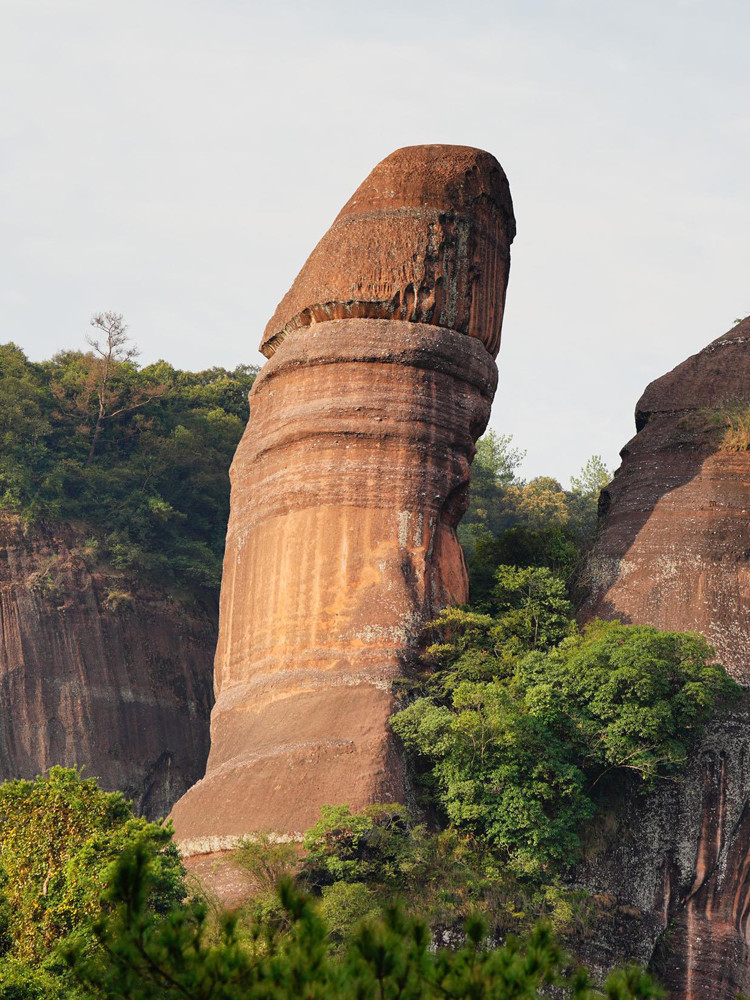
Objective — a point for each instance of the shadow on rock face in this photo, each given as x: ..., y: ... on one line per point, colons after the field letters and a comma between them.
x: 673, y: 551
x: 673, y: 548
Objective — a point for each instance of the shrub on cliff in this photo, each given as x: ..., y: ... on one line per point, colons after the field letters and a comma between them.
x: 371, y: 845
x: 145, y: 466
x: 521, y: 722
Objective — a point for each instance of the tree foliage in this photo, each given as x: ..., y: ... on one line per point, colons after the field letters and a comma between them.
x: 521, y: 723
x: 391, y: 957
x: 139, y: 456
x: 98, y: 911
x: 514, y: 522
x: 59, y: 836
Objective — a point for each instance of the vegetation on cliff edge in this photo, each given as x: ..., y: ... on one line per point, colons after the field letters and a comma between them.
x: 139, y: 456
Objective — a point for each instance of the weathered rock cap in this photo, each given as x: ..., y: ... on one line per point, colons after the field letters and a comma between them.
x: 714, y: 376
x: 425, y: 238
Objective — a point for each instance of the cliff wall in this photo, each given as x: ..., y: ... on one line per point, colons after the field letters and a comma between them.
x: 673, y: 551
x: 99, y: 671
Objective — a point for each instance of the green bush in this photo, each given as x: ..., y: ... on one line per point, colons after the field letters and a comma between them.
x: 520, y: 724
x: 59, y: 836
x: 357, y: 847
x: 147, y: 957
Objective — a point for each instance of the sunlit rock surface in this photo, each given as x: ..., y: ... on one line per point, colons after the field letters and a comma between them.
x: 346, y: 491
x: 99, y: 671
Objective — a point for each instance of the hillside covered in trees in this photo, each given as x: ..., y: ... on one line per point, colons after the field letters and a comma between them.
x: 138, y: 455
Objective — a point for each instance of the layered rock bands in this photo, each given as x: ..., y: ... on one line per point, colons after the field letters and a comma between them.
x: 346, y: 491
x: 98, y: 671
x: 673, y: 551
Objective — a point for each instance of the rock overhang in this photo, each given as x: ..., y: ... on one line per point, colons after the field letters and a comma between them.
x: 425, y: 239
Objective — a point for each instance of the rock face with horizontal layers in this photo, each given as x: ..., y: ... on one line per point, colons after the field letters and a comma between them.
x: 673, y: 551
x: 99, y: 671
x: 346, y: 491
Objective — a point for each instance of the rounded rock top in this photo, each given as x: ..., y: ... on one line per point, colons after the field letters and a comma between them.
x: 425, y: 238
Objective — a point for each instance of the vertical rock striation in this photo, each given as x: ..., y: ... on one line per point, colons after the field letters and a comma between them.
x: 673, y: 551
x: 346, y: 491
x: 98, y: 671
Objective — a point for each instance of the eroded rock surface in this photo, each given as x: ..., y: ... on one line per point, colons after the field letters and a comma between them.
x: 346, y: 491
x: 672, y: 879
x: 674, y: 552
x: 98, y: 671
x: 674, y: 544
x: 425, y: 238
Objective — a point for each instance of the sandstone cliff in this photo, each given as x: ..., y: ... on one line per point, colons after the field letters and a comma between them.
x: 99, y: 671
x: 346, y: 491
x: 673, y: 551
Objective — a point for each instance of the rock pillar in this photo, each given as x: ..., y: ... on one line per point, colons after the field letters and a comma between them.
x: 346, y: 491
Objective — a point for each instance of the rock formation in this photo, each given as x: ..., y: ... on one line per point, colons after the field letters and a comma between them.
x: 674, y: 544
x: 98, y: 671
x: 346, y: 491
x: 673, y: 551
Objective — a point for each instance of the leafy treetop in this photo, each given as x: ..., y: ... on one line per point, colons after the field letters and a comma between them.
x: 138, y: 456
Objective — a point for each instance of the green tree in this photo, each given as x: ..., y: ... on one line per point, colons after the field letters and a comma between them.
x: 521, y: 724
x: 535, y: 523
x: 147, y: 957
x: 58, y: 838
x: 108, y: 356
x: 493, y: 472
x: 592, y: 478
x: 25, y: 409
x: 584, y: 496
x: 501, y: 773
x: 632, y: 698
x: 357, y: 847
x: 531, y: 611
x: 140, y: 456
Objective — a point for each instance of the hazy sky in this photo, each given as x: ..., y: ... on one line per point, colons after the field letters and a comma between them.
x: 177, y: 161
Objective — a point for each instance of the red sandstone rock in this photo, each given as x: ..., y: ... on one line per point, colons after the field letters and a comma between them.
x: 674, y: 552
x: 97, y: 671
x: 425, y: 238
x: 674, y: 543
x: 346, y: 491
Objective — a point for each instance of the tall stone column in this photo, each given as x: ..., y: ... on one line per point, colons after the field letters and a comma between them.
x: 346, y: 491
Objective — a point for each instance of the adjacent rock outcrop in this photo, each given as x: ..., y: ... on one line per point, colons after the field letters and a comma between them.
x: 346, y: 491
x: 98, y: 671
x: 674, y: 545
x: 674, y: 552
x: 671, y: 881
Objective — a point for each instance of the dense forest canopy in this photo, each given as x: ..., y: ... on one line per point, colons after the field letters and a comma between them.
x: 137, y: 455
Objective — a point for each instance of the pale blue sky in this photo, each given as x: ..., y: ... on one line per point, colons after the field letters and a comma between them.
x: 177, y: 161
